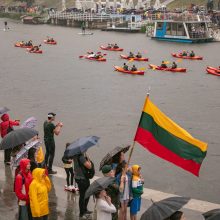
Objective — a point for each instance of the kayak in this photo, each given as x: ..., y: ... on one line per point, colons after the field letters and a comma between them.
x: 186, y: 57
x: 51, y: 43
x: 111, y: 49
x: 167, y: 69
x: 88, y: 33
x: 93, y: 58
x: 213, y: 68
x: 135, y: 58
x: 120, y: 69
x: 213, y: 71
x: 22, y: 45
x: 39, y: 51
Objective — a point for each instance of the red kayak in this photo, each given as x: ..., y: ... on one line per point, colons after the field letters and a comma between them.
x: 22, y: 45
x: 102, y: 59
x: 49, y: 42
x: 167, y: 69
x: 120, y: 69
x: 111, y: 49
x: 135, y: 58
x: 34, y: 51
x: 213, y: 71
x: 186, y: 57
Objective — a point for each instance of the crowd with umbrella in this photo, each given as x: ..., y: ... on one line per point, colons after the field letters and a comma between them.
x: 24, y: 138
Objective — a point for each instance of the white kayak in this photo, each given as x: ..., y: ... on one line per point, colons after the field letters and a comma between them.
x: 88, y: 33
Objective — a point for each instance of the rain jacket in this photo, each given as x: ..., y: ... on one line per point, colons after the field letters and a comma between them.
x: 40, y: 155
x: 22, y: 182
x: 5, y: 124
x: 38, y: 193
x: 137, y: 185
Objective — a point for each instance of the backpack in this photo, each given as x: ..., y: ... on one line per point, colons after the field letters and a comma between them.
x: 9, y: 129
x: 88, y: 173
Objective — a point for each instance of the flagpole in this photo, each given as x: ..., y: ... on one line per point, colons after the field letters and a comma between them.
x: 132, y: 148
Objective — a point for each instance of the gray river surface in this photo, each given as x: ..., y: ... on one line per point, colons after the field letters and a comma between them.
x: 90, y: 98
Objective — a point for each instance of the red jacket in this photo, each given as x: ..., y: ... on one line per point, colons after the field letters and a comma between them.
x: 5, y: 124
x: 24, y: 177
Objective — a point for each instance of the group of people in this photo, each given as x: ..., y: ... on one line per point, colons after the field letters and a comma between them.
x: 164, y: 65
x: 115, y: 46
x: 50, y: 40
x: 97, y: 55
x: 32, y: 183
x: 126, y: 68
x: 186, y: 53
x: 131, y: 55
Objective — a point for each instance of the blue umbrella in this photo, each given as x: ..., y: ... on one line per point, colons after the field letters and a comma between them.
x: 81, y: 145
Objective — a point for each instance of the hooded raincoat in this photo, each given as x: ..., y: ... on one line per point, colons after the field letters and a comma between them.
x: 6, y: 123
x: 38, y: 193
x: 137, y: 185
x: 22, y: 182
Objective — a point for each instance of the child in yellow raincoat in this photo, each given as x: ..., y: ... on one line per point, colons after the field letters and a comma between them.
x: 38, y: 194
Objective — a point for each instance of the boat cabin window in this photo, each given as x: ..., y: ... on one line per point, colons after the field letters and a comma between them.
x: 175, y: 29
x: 197, y: 30
x: 159, y: 25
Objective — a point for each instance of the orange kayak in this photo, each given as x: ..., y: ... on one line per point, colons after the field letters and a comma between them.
x: 120, y: 69
x: 167, y: 69
x: 22, y: 45
x: 38, y: 51
x: 135, y: 58
x: 213, y: 71
x: 186, y: 57
x: 51, y: 43
x: 111, y: 49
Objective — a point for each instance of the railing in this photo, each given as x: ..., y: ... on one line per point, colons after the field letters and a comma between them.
x: 178, y: 17
x: 82, y: 16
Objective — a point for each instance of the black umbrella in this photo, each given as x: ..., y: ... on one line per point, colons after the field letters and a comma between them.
x: 212, y: 214
x: 17, y: 137
x: 107, y: 158
x: 3, y: 110
x: 81, y: 145
x: 164, y: 208
x: 98, y: 185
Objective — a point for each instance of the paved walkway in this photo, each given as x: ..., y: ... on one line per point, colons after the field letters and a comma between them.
x: 64, y: 205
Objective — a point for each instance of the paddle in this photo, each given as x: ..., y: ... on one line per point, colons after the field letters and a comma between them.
x: 142, y: 68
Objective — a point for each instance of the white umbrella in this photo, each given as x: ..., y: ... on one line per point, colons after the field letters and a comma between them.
x: 29, y: 123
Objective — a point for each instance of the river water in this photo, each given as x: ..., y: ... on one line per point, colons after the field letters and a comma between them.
x: 90, y: 98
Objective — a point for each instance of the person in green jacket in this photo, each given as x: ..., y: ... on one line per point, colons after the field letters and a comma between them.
x: 112, y: 190
x: 137, y: 191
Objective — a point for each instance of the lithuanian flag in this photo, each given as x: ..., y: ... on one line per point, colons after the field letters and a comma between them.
x: 164, y: 138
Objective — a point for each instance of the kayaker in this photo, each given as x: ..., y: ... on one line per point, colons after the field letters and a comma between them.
x: 133, y: 68
x: 109, y: 46
x: 139, y: 55
x: 22, y: 43
x: 131, y: 55
x: 35, y: 48
x: 91, y: 54
x: 174, y: 65
x: 192, y: 54
x: 83, y: 27
x: 163, y: 65
x: 116, y: 46
x: 6, y: 25
x: 125, y: 67
x: 29, y: 43
x: 184, y: 53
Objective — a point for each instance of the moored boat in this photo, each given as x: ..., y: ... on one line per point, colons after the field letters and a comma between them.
x: 111, y: 49
x: 186, y: 57
x: 120, y: 69
x: 152, y: 66
x: 134, y: 58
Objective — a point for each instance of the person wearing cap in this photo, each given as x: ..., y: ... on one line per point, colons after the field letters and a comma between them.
x: 49, y: 130
x: 112, y: 190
